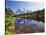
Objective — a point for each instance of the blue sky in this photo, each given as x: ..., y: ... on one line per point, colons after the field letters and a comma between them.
x: 14, y: 5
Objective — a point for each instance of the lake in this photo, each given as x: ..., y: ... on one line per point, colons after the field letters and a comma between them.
x: 29, y: 24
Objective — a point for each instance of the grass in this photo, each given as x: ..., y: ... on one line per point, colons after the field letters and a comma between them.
x: 9, y: 24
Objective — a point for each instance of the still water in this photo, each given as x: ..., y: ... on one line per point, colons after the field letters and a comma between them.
x: 30, y: 22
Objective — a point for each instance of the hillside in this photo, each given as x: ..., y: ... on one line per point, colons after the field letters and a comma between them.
x: 9, y: 21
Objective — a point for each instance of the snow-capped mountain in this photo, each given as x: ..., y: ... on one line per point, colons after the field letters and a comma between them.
x: 22, y: 11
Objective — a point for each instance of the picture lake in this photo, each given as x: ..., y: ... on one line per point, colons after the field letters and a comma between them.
x: 28, y: 25
x: 23, y: 17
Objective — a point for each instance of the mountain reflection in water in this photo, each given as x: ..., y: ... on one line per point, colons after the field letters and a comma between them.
x: 30, y: 23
